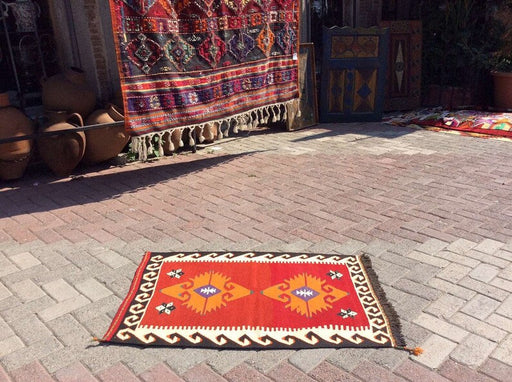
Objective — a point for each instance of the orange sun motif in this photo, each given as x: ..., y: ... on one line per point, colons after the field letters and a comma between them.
x: 305, y: 294
x: 207, y: 292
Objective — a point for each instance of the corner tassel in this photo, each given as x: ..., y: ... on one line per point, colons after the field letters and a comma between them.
x: 414, y: 351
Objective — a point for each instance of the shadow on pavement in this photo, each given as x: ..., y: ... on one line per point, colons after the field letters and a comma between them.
x: 36, y: 193
x: 369, y: 130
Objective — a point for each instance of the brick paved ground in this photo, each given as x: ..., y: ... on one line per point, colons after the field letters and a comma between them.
x: 433, y: 210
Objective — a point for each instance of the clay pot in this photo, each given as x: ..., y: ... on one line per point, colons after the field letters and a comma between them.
x: 172, y: 141
x: 14, y: 156
x: 104, y: 143
x: 502, y: 90
x: 68, y: 91
x: 62, y: 152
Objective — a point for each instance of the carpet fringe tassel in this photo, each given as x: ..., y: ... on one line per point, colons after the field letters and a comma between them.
x: 145, y: 144
x: 414, y: 351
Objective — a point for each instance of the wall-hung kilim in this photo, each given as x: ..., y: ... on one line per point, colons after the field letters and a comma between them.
x: 255, y: 301
x: 194, y: 64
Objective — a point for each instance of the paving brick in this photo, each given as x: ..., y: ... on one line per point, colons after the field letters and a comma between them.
x: 5, y: 330
x: 113, y: 259
x: 443, y: 328
x: 244, y: 372
x: 31, y: 330
x: 445, y: 306
x: 454, y: 272
x: 489, y: 246
x: 4, y: 377
x: 452, y: 289
x: 181, y: 360
x: 160, y: 373
x: 4, y: 292
x: 286, y: 372
x: 484, y: 272
x: 93, y: 290
x: 25, y: 260
x: 480, y: 307
x: 505, y: 308
x: 29, y: 371
x: 460, y: 373
x: 60, y: 290
x: 222, y: 362
x: 10, y: 345
x: 496, y: 370
x: 432, y: 246
x: 478, y: 327
x: 499, y: 321
x: 460, y: 246
x: 62, y: 308
x: 412, y: 371
x: 503, y: 352
x: 500, y: 283
x: 436, y: 350
x: 417, y: 289
x: 117, y: 372
x: 473, y: 350
x: 484, y: 288
x: 266, y: 361
x: 27, y: 290
x: 202, y: 373
x: 306, y: 360
x: 75, y: 373
x: 461, y: 259
x: 326, y: 372
x: 428, y: 259
x: 349, y: 359
x: 368, y: 371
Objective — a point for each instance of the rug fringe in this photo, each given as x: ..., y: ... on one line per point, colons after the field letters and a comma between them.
x: 414, y: 351
x: 389, y: 310
x: 143, y: 145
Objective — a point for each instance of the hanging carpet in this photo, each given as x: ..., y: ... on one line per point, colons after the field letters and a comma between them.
x: 255, y: 301
x: 222, y: 64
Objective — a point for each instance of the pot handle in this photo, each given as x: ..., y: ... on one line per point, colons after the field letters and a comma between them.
x: 74, y: 118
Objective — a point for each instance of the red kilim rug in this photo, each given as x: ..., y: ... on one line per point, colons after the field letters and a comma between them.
x: 255, y: 301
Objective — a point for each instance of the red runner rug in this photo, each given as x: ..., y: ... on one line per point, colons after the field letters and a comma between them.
x: 206, y: 64
x: 255, y: 301
x: 483, y: 124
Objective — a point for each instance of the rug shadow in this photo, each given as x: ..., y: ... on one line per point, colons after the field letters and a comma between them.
x: 39, y: 192
x: 367, y: 129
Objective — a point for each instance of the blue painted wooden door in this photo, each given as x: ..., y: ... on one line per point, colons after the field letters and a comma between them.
x: 353, y: 74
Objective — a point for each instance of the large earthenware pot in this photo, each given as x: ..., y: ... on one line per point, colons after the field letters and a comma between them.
x: 502, y: 90
x: 68, y: 91
x: 104, y: 143
x: 62, y: 152
x: 14, y: 156
x: 172, y: 141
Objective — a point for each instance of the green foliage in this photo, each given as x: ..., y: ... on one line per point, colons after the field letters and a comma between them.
x: 458, y: 41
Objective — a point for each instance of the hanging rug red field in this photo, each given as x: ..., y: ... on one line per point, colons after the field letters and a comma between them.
x: 255, y: 301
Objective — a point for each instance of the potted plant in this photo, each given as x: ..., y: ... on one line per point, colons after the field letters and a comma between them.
x: 501, y: 61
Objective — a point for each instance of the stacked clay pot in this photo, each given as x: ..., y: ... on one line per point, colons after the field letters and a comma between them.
x: 62, y: 152
x: 172, y: 141
x: 107, y: 142
x: 68, y: 91
x: 14, y: 156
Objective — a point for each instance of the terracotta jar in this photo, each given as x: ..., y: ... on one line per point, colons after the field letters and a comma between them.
x: 68, y: 91
x: 62, y: 152
x: 172, y: 141
x: 104, y: 143
x: 14, y: 156
x: 502, y: 90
